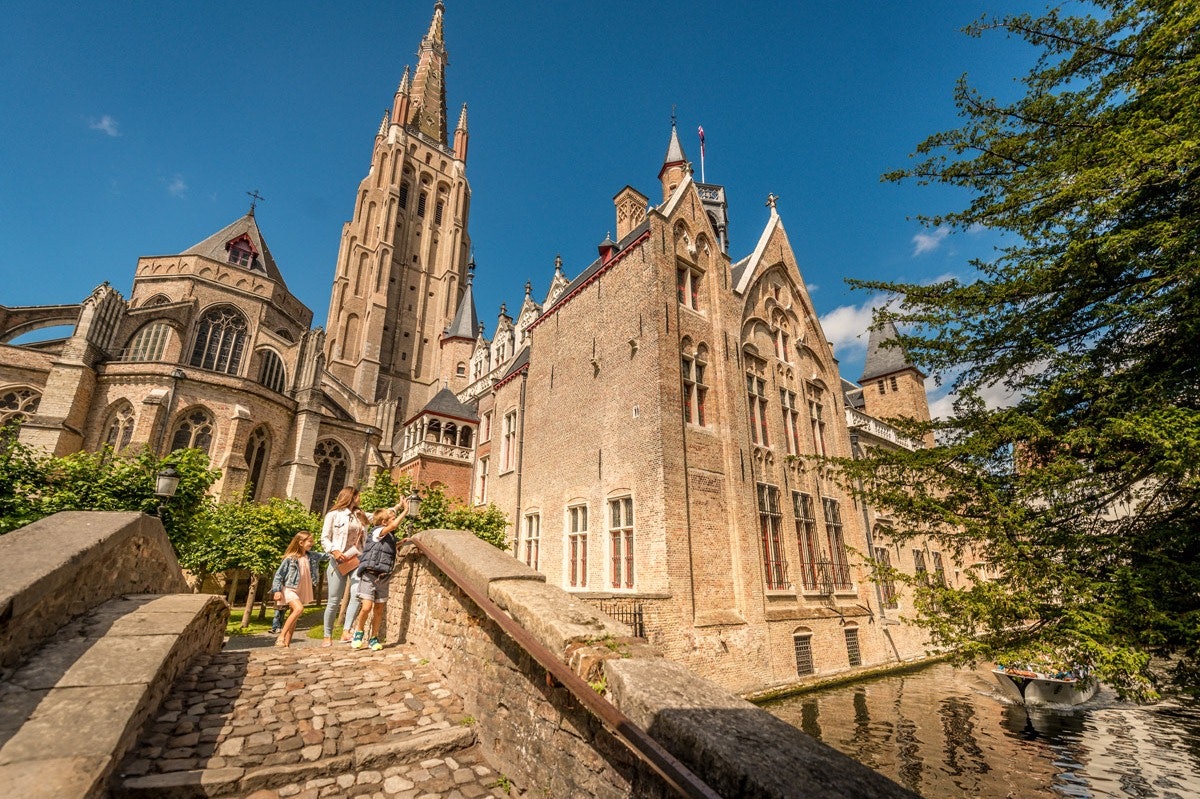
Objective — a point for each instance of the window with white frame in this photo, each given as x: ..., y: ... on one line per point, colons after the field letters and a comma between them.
x: 816, y: 417
x: 533, y: 540
x: 620, y: 535
x: 508, y: 442
x: 485, y: 427
x: 481, y: 482
x: 577, y: 546
x: 791, y: 423
x: 770, y: 520
x: 781, y: 344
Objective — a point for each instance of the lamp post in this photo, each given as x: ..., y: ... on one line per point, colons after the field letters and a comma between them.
x: 165, y: 486
x: 413, y: 503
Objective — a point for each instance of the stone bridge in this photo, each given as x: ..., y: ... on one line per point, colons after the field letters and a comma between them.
x: 114, y: 682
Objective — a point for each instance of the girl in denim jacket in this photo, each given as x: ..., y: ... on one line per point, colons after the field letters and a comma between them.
x: 293, y: 583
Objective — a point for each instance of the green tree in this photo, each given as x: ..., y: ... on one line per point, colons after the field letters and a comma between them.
x: 1083, y: 488
x: 250, y: 537
x: 438, y: 511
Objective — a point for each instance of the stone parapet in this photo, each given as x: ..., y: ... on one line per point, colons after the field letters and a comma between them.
x: 538, y: 731
x: 66, y: 564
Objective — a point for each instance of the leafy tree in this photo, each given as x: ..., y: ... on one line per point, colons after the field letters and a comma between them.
x: 438, y: 511
x: 249, y: 536
x: 383, y: 492
x: 1084, y: 489
x: 20, y: 477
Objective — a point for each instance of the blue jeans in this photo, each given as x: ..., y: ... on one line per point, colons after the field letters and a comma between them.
x: 337, y: 585
x: 353, y: 606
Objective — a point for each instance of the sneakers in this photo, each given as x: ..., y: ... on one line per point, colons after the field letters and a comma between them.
x: 357, y: 643
x: 375, y: 645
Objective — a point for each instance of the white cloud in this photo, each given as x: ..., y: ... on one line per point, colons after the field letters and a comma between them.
x: 105, y: 124
x: 928, y: 242
x: 847, y: 327
x: 176, y: 186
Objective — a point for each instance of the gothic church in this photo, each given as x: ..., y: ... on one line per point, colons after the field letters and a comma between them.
x: 644, y: 427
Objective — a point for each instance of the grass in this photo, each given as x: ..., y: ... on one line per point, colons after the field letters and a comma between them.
x: 264, y: 626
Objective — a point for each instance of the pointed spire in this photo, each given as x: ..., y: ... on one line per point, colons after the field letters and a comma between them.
x: 882, y: 358
x: 401, y: 102
x: 465, y: 323
x: 429, y: 84
x: 528, y: 289
x: 558, y: 264
x: 383, y: 124
x: 675, y: 164
x: 461, y: 136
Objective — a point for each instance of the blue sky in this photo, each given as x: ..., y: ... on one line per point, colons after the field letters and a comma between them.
x: 133, y: 129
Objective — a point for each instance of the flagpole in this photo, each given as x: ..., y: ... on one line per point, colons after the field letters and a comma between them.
x: 700, y: 131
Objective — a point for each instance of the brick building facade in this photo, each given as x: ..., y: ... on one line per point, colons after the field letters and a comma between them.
x: 652, y: 428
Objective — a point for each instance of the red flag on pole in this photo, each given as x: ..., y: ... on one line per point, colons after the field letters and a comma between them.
x: 700, y: 130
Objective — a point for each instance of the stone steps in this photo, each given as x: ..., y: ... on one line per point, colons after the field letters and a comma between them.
x: 308, y: 721
x: 68, y: 715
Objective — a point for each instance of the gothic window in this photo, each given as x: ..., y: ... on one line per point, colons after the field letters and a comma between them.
x: 791, y: 423
x: 577, y: 546
x: 770, y: 520
x: 695, y: 388
x: 220, y: 340
x: 331, y: 474
x: 887, y: 586
x: 816, y: 417
x: 756, y: 392
x: 508, y: 444
x: 421, y: 200
x: 939, y: 571
x: 806, y: 537
x: 533, y: 540
x: 687, y: 286
x: 465, y: 437
x: 271, y: 373
x: 194, y: 431
x: 350, y: 336
x: 119, y: 430
x: 149, y: 342
x: 919, y: 567
x: 404, y: 187
x: 620, y: 536
x: 256, y: 460
x: 802, y: 643
x: 781, y: 344
x: 853, y: 652
x: 437, y: 212
x: 837, y: 544
x: 17, y: 405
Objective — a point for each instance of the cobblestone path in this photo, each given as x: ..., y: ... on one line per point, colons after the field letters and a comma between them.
x: 311, y: 722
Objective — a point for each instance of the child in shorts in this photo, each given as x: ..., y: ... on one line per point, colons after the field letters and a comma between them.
x: 375, y: 575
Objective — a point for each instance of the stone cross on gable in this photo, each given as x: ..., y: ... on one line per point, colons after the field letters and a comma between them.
x: 254, y: 199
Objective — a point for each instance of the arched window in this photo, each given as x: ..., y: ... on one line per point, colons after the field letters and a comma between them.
x: 119, y: 429
x: 149, y: 342
x: 17, y: 405
x: 220, y: 340
x: 450, y: 433
x: 465, y: 436
x: 256, y: 460
x: 271, y: 373
x: 331, y: 474
x: 194, y: 431
x: 433, y: 431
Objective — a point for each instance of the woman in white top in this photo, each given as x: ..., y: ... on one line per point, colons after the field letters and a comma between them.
x: 343, y: 530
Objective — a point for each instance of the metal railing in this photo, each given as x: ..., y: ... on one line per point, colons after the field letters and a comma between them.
x: 639, y: 743
x: 632, y: 615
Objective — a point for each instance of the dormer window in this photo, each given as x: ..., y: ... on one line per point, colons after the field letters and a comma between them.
x: 241, y: 252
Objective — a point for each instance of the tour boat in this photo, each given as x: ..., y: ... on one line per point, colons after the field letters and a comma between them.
x: 1035, y: 688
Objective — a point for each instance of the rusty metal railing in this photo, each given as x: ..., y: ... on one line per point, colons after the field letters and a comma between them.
x: 639, y: 743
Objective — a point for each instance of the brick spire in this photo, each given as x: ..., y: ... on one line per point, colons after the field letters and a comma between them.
x: 429, y: 84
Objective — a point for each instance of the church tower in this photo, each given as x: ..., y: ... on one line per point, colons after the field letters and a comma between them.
x: 892, y: 387
x: 402, y: 263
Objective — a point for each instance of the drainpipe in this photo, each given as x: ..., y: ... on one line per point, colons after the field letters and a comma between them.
x: 521, y: 462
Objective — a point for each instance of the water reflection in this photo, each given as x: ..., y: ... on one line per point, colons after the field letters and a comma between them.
x: 946, y: 732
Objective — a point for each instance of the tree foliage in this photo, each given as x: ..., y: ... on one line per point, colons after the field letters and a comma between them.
x: 1083, y: 490
x: 438, y: 511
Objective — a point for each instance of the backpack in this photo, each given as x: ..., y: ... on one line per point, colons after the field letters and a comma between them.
x: 380, y: 556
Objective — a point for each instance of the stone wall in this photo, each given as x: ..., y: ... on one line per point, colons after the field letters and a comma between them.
x: 71, y: 562
x: 540, y: 735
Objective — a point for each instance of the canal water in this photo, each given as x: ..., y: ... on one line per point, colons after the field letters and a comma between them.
x: 948, y: 732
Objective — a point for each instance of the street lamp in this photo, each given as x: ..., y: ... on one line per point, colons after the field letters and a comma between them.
x: 165, y: 486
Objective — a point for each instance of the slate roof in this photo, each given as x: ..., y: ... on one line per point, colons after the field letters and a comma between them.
x: 882, y: 360
x: 444, y: 403
x: 466, y: 323
x: 597, y: 265
x: 214, y: 247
